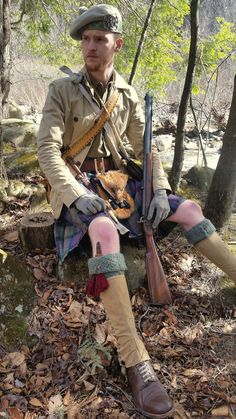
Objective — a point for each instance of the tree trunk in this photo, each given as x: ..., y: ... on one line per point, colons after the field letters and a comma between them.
x: 5, y: 63
x: 179, y: 141
x: 222, y: 193
x: 141, y: 41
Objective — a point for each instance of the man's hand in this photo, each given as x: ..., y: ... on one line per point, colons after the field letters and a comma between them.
x: 159, y: 208
x: 90, y: 204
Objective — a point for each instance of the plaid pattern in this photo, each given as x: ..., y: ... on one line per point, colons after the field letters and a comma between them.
x: 72, y: 225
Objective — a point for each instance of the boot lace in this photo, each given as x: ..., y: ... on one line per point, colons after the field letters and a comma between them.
x: 147, y: 372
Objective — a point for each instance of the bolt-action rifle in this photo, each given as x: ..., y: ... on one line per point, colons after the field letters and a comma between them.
x: 157, y: 284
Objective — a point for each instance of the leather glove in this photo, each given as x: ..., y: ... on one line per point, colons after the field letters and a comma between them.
x: 90, y: 204
x: 159, y: 207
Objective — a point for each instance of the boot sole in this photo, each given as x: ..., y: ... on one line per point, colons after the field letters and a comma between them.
x: 149, y: 415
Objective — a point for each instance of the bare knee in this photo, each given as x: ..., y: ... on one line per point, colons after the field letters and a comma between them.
x: 191, y: 208
x: 103, y: 230
x: 188, y: 214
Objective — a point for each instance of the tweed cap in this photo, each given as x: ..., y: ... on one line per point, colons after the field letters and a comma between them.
x: 104, y: 17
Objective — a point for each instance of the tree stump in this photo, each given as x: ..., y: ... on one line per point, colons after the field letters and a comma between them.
x: 36, y: 231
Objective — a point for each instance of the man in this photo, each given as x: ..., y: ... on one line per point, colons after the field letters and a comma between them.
x: 72, y: 106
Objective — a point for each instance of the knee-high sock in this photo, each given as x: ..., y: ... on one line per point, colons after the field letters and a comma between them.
x: 204, y: 237
x: 117, y: 305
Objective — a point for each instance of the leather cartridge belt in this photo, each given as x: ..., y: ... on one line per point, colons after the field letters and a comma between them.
x: 93, y: 165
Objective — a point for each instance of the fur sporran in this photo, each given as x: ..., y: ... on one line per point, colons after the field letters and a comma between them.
x: 112, y: 190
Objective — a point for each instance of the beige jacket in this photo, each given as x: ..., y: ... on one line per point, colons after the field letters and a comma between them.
x: 67, y: 115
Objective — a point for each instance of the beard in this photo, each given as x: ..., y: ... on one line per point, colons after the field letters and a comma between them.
x: 93, y: 67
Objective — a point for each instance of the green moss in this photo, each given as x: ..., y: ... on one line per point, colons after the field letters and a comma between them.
x: 17, y: 298
x: 24, y: 161
x: 8, y: 148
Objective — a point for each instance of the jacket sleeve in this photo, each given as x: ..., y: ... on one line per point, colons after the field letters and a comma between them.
x: 50, y: 142
x: 135, y: 134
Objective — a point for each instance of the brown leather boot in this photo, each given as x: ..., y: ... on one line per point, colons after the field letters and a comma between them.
x: 150, y: 398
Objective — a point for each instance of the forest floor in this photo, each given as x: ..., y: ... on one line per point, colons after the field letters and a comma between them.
x: 71, y: 368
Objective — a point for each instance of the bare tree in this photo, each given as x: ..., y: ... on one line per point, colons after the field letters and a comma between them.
x: 5, y: 64
x: 179, y: 140
x: 141, y: 41
x: 222, y: 193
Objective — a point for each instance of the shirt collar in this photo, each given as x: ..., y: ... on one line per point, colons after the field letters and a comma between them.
x: 118, y: 81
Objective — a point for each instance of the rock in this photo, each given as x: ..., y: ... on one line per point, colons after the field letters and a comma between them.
x: 3, y: 192
x: 164, y: 142
x: 192, y: 133
x: 23, y: 161
x: 19, y: 189
x: 17, y: 300
x: 200, y: 176
x: 20, y: 133
x: 14, y: 111
x: 190, y: 145
x: 15, y: 188
x: 39, y: 201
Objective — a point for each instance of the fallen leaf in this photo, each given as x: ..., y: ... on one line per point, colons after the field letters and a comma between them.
x: 11, y: 236
x: 88, y: 386
x: 55, y: 402
x: 75, y: 317
x: 221, y: 411
x: 35, y: 402
x: 15, y: 413
x: 100, y: 332
x: 193, y: 333
x: 67, y: 398
x: 17, y: 358
x: 73, y: 412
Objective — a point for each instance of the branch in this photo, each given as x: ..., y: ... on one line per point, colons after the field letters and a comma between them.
x: 23, y: 12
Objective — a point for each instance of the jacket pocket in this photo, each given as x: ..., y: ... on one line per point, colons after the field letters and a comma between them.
x: 82, y: 124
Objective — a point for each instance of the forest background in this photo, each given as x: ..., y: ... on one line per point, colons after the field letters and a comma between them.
x: 162, y: 40
x: 48, y: 385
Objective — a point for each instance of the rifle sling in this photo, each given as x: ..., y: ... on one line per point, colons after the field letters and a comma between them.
x: 81, y: 142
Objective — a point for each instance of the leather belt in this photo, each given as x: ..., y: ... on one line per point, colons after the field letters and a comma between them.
x: 92, y: 165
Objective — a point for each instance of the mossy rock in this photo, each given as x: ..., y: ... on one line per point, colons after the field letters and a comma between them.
x: 21, y: 133
x: 23, y: 161
x: 14, y: 111
x: 200, y: 176
x: 17, y: 299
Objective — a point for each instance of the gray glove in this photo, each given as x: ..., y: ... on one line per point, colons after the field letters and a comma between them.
x: 90, y: 204
x: 159, y: 208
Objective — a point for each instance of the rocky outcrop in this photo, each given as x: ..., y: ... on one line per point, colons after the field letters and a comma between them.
x: 200, y: 177
x: 19, y: 145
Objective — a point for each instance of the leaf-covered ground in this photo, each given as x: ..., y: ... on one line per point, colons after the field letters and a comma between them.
x: 71, y: 369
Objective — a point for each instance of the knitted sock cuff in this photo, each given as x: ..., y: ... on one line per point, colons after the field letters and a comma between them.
x: 111, y: 264
x: 200, y: 231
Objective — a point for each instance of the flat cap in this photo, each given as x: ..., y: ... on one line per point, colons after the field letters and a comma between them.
x: 103, y: 17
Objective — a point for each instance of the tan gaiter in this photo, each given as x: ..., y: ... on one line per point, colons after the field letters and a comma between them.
x: 217, y: 252
x: 117, y: 305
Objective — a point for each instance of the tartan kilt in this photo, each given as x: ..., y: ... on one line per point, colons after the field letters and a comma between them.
x: 69, y: 231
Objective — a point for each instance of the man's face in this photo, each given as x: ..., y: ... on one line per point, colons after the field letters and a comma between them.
x: 99, y: 48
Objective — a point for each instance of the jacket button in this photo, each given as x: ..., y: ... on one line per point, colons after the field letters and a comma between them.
x: 76, y: 119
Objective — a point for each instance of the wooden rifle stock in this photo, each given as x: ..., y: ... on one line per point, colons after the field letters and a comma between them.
x: 159, y: 292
